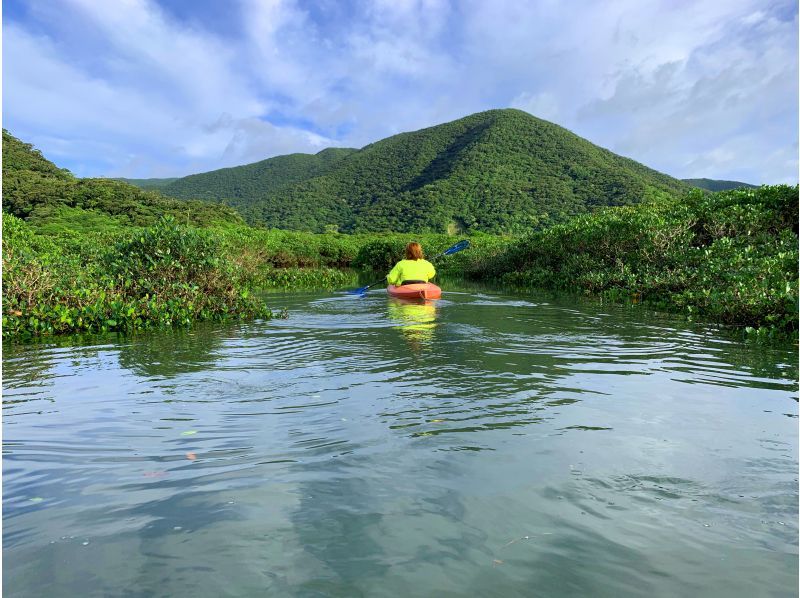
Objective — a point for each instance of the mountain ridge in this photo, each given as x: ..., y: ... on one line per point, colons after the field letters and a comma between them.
x: 495, y: 171
x: 36, y: 189
x: 718, y: 184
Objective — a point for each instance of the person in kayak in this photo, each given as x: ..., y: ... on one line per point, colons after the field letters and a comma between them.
x: 415, y: 269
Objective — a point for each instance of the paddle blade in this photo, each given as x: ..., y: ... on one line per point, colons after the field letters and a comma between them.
x: 362, y: 290
x: 460, y: 246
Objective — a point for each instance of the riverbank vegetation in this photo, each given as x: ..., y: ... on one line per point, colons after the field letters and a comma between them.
x: 78, y: 271
x: 97, y: 255
x: 164, y: 275
x: 729, y: 257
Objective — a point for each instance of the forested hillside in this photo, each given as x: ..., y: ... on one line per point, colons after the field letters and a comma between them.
x: 495, y: 171
x: 717, y: 185
x: 37, y: 190
x: 152, y: 184
x: 243, y: 185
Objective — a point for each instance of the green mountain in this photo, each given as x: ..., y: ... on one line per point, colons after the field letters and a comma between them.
x: 715, y: 185
x: 152, y: 184
x: 495, y: 171
x: 244, y: 185
x: 36, y: 189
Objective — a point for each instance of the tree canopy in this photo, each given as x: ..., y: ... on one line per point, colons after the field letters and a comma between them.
x: 34, y: 187
x: 494, y: 171
x: 718, y: 185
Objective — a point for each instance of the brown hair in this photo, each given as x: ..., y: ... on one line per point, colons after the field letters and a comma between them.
x: 414, y: 251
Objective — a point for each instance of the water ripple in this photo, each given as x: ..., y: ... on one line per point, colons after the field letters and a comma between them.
x: 485, y: 444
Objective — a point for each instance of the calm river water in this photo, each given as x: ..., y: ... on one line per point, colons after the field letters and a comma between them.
x: 482, y: 445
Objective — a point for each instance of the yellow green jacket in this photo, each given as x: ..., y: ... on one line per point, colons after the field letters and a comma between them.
x: 411, y: 270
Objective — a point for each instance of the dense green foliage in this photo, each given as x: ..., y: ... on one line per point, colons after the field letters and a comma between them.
x: 35, y: 188
x: 292, y: 249
x: 307, y: 278
x: 730, y: 257
x: 716, y: 185
x: 243, y: 185
x: 58, y: 219
x: 24, y: 158
x: 151, y: 184
x: 165, y: 275
x: 495, y: 171
x: 96, y: 255
x: 62, y: 277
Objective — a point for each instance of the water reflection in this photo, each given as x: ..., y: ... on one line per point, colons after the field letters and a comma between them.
x: 159, y: 354
x: 538, y: 447
x: 416, y: 319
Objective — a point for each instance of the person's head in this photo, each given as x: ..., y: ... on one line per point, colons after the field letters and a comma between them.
x: 414, y: 251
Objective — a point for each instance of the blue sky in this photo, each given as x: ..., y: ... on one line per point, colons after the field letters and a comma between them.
x: 141, y: 88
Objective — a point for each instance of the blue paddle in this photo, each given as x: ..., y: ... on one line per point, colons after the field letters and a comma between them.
x: 460, y: 246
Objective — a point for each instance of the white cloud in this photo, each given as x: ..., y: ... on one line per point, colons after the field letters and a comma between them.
x: 686, y: 88
x: 279, y: 44
x: 256, y: 138
x: 721, y: 112
x: 166, y: 94
x: 542, y: 104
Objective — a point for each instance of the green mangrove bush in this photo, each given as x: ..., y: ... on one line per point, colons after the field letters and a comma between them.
x: 165, y: 275
x: 730, y: 256
x: 307, y: 278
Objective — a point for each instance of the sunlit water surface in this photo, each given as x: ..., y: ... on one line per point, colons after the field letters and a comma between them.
x: 483, y: 445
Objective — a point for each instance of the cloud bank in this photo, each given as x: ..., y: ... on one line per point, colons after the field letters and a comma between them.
x: 142, y: 88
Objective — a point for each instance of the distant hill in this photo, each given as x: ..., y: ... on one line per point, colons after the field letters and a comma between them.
x: 34, y: 188
x: 494, y: 171
x: 244, y: 185
x: 151, y: 184
x: 715, y: 185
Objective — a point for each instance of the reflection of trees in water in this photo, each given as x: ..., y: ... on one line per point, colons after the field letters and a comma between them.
x: 638, y: 324
x: 30, y: 365
x: 356, y: 530
x: 157, y: 353
x: 336, y: 522
x: 171, y: 352
x: 778, y: 361
x: 498, y: 363
x: 37, y: 362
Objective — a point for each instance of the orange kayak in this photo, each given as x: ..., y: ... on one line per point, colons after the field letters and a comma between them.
x: 425, y: 290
